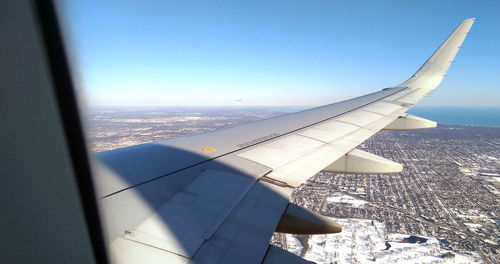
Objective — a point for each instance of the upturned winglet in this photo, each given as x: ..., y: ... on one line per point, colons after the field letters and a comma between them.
x: 432, y: 72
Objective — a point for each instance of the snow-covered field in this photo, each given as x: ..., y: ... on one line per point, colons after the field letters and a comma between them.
x: 344, y: 198
x: 364, y: 241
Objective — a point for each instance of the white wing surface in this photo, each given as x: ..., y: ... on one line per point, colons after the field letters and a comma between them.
x: 218, y: 197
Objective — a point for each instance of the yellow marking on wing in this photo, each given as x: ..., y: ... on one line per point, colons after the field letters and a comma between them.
x: 208, y: 149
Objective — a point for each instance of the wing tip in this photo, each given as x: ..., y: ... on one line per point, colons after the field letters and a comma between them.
x: 469, y: 20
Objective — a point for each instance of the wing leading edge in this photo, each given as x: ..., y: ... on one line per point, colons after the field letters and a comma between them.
x: 173, y: 201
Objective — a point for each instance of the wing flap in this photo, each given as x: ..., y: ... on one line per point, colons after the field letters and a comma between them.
x: 193, y: 214
x: 126, y: 251
x: 276, y: 255
x: 280, y: 151
x: 235, y: 217
x: 244, y: 236
x: 299, y: 170
x: 328, y: 131
x: 383, y: 108
x: 359, y: 118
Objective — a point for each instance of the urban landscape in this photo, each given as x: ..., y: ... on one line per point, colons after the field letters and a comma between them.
x: 443, y: 208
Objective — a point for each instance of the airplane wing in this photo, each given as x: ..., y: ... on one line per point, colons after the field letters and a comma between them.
x: 209, y: 198
x: 218, y: 197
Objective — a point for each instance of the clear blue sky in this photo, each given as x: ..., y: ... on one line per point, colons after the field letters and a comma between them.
x: 275, y: 52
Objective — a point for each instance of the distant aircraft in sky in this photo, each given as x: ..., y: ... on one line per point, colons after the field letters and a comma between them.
x: 215, y: 197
